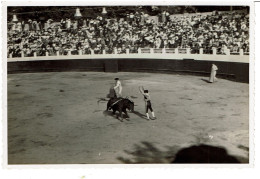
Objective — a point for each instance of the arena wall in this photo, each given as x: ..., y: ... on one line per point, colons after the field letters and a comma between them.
x: 233, y: 67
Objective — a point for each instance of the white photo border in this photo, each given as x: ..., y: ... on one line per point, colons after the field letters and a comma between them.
x: 123, y: 166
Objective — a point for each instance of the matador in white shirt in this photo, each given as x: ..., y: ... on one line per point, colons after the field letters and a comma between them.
x: 118, y: 88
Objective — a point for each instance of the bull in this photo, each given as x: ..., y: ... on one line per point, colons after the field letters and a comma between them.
x: 120, y: 105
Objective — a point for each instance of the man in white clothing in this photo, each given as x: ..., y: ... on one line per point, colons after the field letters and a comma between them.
x: 118, y: 88
x: 213, y: 73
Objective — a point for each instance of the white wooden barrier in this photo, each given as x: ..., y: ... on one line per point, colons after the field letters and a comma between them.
x: 201, y: 50
x: 80, y: 52
x: 241, y: 52
x: 214, y: 51
x: 115, y: 50
x: 176, y: 51
x: 139, y: 51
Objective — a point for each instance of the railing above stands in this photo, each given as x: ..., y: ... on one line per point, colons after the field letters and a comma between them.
x: 143, y: 51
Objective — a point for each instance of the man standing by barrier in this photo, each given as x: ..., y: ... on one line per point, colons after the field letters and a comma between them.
x: 213, y: 73
x: 118, y: 88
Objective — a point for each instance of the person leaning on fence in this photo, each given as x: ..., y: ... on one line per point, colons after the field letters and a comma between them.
x: 118, y: 88
x: 148, y: 104
x: 213, y: 73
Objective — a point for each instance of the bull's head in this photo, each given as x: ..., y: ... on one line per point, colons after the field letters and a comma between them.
x: 130, y: 105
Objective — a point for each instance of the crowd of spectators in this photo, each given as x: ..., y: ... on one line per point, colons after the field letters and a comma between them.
x: 220, y: 30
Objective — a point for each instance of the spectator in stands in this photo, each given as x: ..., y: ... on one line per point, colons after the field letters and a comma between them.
x: 223, y: 31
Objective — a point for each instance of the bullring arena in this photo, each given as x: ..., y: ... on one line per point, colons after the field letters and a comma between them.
x: 57, y: 107
x: 60, y: 117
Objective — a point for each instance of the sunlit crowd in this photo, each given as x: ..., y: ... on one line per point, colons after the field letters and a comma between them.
x: 119, y: 35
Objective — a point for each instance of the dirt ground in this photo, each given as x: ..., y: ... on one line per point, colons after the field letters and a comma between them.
x: 60, y: 118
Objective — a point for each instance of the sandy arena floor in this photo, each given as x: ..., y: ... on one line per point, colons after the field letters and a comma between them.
x: 60, y: 118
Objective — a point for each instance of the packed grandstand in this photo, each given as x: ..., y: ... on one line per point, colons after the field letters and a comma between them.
x: 79, y: 35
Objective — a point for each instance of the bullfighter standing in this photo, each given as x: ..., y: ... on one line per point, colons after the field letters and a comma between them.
x: 118, y: 88
x: 213, y: 73
x: 148, y: 104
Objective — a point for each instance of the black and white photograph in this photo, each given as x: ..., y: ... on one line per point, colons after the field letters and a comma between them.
x: 128, y: 84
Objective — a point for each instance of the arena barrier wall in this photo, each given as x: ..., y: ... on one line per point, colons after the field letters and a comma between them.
x: 233, y: 67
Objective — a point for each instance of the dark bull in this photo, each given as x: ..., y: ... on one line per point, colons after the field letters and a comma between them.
x: 120, y: 105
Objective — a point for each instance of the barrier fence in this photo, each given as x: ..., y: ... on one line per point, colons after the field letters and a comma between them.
x: 176, y: 51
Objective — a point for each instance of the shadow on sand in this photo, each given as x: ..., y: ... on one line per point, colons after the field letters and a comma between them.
x: 110, y: 113
x: 204, y: 154
x: 207, y: 81
x: 198, y: 154
x: 140, y: 115
x: 147, y: 152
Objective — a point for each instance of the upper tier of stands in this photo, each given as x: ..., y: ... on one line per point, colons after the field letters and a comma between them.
x: 208, y: 33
